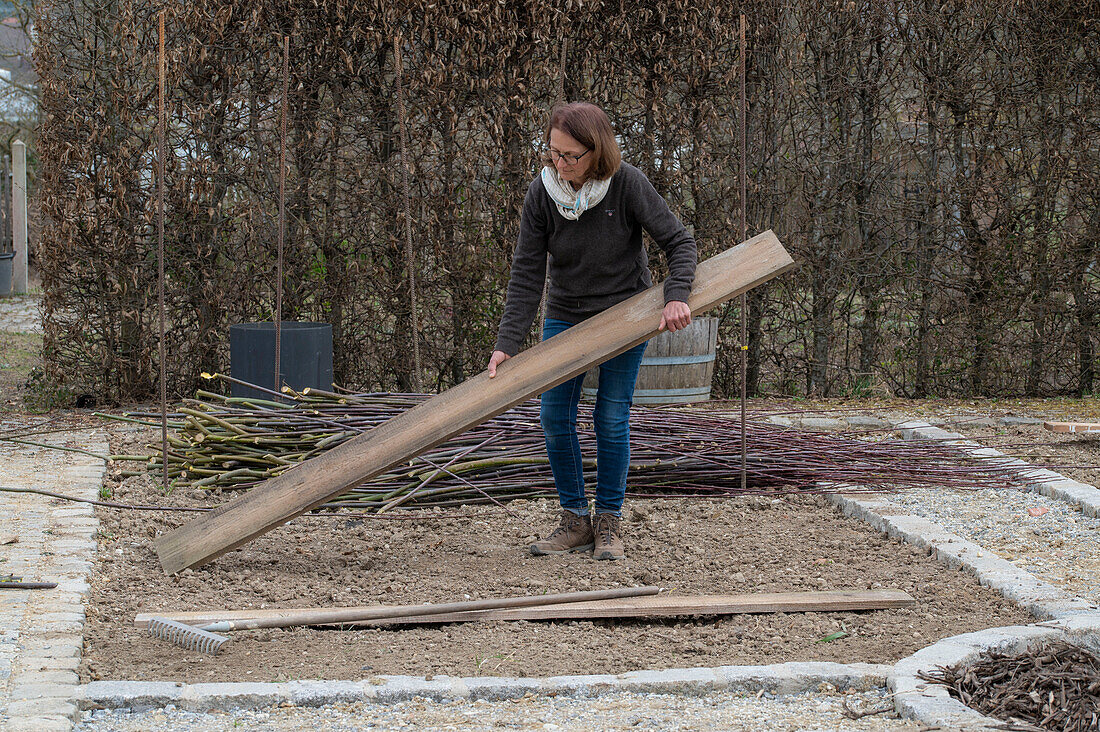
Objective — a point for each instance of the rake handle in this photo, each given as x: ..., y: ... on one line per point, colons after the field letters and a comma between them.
x: 27, y: 585
x: 354, y: 615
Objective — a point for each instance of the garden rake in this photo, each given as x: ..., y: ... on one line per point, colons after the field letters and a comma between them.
x: 207, y: 640
x: 187, y: 636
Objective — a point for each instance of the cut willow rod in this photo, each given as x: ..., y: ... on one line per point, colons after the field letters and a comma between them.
x: 162, y: 346
x: 63, y: 448
x: 445, y: 469
x: 343, y: 515
x: 672, y: 451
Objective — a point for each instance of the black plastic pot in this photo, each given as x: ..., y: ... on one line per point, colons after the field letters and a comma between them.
x: 305, y: 357
x: 7, y: 260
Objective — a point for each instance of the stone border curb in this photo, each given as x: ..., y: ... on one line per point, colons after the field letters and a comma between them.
x: 932, y: 704
x: 778, y: 679
x: 1041, y: 599
x: 1051, y: 484
x: 1073, y: 619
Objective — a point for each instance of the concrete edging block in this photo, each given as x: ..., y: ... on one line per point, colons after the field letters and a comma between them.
x: 320, y: 693
x: 216, y: 697
x: 500, y: 689
x: 138, y: 696
x: 778, y: 679
x: 930, y: 703
x: 692, y: 681
x: 394, y: 689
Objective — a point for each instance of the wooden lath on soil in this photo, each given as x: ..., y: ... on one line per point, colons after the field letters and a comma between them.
x: 314, y: 482
x: 658, y: 606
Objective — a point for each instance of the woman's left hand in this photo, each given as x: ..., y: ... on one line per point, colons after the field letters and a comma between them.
x: 675, y: 316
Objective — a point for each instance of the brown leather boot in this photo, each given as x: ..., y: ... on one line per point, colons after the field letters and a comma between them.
x: 574, y: 534
x: 609, y: 543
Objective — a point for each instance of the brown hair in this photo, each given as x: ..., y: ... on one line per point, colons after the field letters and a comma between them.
x: 587, y: 124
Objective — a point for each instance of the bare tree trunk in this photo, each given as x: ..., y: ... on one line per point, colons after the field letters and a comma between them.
x: 1086, y: 258
x: 822, y: 330
x: 927, y: 233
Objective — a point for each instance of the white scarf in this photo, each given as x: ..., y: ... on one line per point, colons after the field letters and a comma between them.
x: 571, y: 204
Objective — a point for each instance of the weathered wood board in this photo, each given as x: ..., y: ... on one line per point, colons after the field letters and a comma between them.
x: 462, y: 407
x: 655, y: 606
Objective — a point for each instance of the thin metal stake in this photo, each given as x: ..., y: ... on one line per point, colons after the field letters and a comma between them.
x: 560, y: 100
x: 410, y: 260
x: 744, y: 235
x: 561, y: 69
x: 282, y: 214
x: 161, y: 124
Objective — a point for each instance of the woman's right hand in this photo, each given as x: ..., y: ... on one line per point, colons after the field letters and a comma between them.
x: 495, y: 360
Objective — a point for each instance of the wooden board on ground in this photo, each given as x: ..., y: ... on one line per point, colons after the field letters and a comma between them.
x: 572, y: 352
x: 1082, y: 427
x: 657, y: 606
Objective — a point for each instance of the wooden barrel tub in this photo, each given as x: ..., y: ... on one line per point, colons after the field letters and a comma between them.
x: 676, y: 368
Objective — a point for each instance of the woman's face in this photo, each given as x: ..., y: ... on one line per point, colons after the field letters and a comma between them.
x: 564, y: 148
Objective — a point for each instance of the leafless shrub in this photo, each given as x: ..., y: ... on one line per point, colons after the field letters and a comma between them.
x: 933, y: 166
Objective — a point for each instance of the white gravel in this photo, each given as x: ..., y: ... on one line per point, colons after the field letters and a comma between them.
x: 1062, y: 546
x: 818, y: 711
x: 21, y: 314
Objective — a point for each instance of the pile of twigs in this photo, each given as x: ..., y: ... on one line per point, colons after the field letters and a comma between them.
x: 229, y: 443
x: 1053, y: 686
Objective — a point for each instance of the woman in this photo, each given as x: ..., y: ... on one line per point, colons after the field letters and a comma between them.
x: 587, y: 210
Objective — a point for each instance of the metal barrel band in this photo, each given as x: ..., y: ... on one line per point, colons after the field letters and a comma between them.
x: 676, y: 360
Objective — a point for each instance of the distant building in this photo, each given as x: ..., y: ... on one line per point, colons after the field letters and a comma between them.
x: 18, y: 82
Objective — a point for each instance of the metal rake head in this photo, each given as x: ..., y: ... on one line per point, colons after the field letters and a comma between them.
x: 186, y: 636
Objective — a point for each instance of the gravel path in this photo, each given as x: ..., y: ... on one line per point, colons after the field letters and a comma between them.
x: 21, y: 314
x: 50, y: 541
x: 818, y: 711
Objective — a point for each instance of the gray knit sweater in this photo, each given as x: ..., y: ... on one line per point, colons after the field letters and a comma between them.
x: 596, y: 261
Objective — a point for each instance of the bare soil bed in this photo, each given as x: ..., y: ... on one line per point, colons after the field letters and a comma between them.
x: 728, y: 546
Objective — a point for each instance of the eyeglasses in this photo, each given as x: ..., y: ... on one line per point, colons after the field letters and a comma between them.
x: 567, y: 157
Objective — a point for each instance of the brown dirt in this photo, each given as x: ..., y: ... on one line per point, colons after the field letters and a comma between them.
x: 693, y: 546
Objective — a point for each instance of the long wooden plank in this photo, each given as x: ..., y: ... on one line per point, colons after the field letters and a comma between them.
x: 656, y: 606
x: 462, y: 407
x: 1081, y: 427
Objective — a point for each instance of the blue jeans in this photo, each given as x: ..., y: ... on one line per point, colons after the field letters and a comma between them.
x: 611, y: 418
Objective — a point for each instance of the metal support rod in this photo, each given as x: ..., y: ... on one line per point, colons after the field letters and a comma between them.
x: 282, y: 214
x: 19, y: 216
x: 410, y: 260
x: 744, y: 298
x: 161, y: 124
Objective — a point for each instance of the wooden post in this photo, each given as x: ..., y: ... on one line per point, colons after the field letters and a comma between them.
x: 19, y: 216
x: 529, y: 373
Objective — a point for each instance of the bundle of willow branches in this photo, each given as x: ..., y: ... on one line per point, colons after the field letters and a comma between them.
x: 231, y: 443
